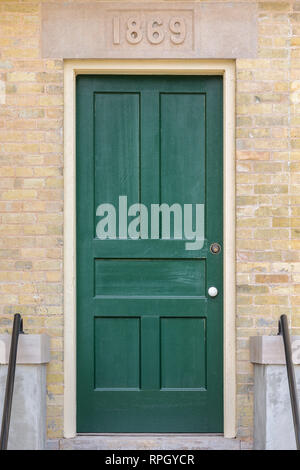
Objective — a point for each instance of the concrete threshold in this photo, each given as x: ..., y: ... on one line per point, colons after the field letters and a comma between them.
x: 148, y: 442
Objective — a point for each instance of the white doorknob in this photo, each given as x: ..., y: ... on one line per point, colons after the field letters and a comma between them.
x: 212, y: 291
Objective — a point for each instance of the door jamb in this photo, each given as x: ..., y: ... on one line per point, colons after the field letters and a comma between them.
x: 226, y: 68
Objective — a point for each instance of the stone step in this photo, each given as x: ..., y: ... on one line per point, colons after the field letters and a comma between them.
x: 148, y: 442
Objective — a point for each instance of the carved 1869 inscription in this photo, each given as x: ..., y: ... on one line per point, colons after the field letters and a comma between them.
x: 160, y: 28
x: 155, y: 30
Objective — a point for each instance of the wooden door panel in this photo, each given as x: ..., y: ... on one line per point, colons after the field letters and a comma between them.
x: 151, y: 277
x: 182, y: 140
x: 117, y: 147
x: 183, y: 353
x: 117, y: 363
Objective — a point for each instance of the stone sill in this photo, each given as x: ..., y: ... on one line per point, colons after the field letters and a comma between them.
x: 32, y: 349
x: 153, y: 441
x: 270, y: 349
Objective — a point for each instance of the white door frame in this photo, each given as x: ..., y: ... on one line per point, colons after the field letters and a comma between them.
x: 226, y: 68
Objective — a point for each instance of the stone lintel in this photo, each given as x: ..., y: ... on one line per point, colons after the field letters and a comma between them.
x: 149, y: 30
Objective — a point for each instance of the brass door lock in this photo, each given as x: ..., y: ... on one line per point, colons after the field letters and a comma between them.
x: 215, y: 248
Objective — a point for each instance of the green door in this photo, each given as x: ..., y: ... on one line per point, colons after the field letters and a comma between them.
x: 149, y: 337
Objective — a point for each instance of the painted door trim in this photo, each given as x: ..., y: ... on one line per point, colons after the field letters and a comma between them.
x: 226, y: 68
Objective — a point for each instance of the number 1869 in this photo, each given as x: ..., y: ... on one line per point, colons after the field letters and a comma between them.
x: 154, y: 30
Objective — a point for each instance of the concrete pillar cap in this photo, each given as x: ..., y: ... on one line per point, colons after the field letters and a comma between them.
x: 270, y: 349
x: 32, y: 349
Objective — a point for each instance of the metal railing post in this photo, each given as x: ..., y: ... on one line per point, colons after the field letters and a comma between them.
x: 17, y: 329
x: 284, y: 331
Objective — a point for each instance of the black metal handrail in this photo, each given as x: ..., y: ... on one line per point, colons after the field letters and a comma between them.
x: 10, y: 380
x: 284, y: 331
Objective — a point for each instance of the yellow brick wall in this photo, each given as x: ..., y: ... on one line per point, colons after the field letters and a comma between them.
x: 268, y: 191
x: 31, y: 189
x: 268, y: 188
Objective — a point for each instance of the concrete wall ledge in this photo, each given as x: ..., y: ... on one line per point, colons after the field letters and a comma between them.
x: 273, y: 421
x: 32, y: 349
x: 28, y: 415
x: 270, y: 349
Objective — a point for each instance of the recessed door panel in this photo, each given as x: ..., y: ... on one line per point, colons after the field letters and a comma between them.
x: 151, y: 277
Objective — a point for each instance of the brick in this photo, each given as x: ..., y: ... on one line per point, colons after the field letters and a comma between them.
x: 29, y: 88
x: 270, y: 189
x: 51, y: 100
x: 19, y: 194
x: 271, y: 278
x: 275, y: 6
x: 49, y: 77
x: 31, y: 113
x: 19, y: 53
x: 21, y: 76
x: 252, y: 155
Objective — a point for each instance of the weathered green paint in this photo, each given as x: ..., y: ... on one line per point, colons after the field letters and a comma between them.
x: 149, y: 339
